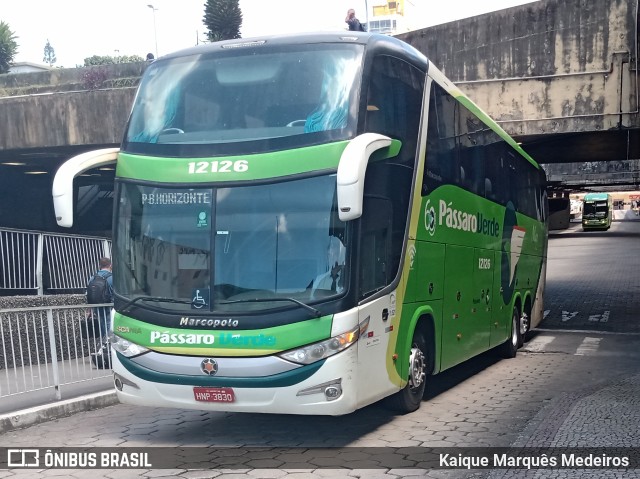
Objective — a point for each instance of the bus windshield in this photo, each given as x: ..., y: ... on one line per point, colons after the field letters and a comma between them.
x: 227, y: 102
x: 231, y: 250
x: 598, y: 209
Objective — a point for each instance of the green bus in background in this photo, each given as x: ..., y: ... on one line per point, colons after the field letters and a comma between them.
x: 597, y: 211
x: 309, y: 224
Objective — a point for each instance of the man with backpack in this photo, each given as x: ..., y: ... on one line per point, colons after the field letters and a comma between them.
x: 100, y: 291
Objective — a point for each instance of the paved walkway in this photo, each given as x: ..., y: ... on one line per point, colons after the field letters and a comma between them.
x: 601, y: 416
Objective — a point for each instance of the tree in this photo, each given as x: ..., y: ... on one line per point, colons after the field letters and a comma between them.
x: 109, y: 60
x: 49, y: 54
x: 8, y: 47
x: 223, y: 19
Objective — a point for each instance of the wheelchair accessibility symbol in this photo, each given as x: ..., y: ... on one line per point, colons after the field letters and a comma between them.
x: 200, y: 299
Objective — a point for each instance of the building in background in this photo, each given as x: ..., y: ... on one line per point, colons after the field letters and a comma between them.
x: 391, y: 17
x: 28, y: 67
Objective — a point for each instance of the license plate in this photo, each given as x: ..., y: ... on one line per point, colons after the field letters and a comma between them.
x: 206, y: 394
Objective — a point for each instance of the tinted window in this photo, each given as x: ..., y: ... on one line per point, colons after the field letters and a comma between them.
x: 246, y: 100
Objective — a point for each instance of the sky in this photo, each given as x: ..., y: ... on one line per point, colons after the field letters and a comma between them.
x: 77, y: 29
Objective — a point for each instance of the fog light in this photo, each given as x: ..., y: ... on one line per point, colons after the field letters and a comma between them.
x: 119, y: 382
x: 333, y: 392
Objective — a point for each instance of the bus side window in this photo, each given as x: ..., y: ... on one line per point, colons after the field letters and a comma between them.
x: 394, y: 99
x: 488, y: 190
x: 375, y: 243
x: 470, y: 132
x: 441, y: 155
x: 393, y: 108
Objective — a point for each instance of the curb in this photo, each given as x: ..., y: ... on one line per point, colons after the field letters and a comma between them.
x: 40, y: 414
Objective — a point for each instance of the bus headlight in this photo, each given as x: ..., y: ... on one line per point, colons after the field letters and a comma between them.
x: 126, y: 347
x: 315, y: 352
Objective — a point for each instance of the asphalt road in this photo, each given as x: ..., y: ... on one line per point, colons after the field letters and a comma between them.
x: 574, y: 384
x: 593, y: 279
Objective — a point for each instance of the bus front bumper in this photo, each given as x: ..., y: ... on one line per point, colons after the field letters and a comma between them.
x: 327, y: 387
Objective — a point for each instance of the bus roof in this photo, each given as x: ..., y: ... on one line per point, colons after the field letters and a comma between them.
x: 596, y: 196
x: 362, y: 38
x: 372, y: 41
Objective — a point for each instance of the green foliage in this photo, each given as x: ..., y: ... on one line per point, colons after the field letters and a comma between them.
x: 49, y: 54
x: 93, y: 78
x: 8, y: 47
x: 223, y: 19
x: 96, y: 60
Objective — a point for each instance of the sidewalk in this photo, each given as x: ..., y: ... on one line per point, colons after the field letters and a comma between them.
x: 597, y: 416
x: 47, y: 412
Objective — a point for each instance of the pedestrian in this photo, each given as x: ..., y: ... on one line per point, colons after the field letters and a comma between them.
x: 100, y: 291
x: 150, y: 57
x: 353, y: 22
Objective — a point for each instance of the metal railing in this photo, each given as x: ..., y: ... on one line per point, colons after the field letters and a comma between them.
x: 48, y: 262
x: 48, y: 347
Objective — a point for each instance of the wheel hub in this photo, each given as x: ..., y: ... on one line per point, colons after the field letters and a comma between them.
x: 524, y: 324
x: 417, y: 368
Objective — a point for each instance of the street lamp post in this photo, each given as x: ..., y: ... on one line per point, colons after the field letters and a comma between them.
x: 366, y: 14
x: 155, y: 32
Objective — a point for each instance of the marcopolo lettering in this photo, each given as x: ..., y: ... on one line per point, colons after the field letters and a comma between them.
x: 180, y: 338
x: 465, y: 221
x: 212, y: 323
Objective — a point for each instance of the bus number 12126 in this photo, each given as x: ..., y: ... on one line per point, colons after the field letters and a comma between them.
x: 224, y: 166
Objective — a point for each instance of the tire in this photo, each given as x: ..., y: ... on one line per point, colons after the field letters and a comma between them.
x: 408, y: 399
x: 525, y: 328
x: 509, y: 348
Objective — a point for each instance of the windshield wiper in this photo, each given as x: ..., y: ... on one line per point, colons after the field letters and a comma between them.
x: 265, y: 300
x: 156, y: 299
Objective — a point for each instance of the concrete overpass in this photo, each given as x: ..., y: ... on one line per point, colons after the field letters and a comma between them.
x: 48, y: 117
x: 559, y: 75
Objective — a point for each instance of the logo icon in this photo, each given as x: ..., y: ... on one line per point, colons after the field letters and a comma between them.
x: 412, y: 255
x: 202, y: 220
x: 430, y: 218
x: 23, y: 458
x: 209, y: 366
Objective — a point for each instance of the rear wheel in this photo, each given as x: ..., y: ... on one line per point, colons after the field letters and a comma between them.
x: 509, y: 348
x: 408, y: 399
x: 525, y: 327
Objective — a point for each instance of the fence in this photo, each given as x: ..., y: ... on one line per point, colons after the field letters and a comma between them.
x: 35, y: 262
x: 49, y: 347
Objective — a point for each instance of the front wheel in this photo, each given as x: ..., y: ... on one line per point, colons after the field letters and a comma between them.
x: 408, y: 399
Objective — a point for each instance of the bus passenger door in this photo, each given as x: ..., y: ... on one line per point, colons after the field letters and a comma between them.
x: 375, y: 271
x: 373, y: 368
x: 501, y: 313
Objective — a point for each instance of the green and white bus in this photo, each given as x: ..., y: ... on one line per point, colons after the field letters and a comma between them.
x: 597, y: 211
x: 309, y: 224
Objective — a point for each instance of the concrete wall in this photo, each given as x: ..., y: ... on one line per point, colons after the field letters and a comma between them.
x: 58, y: 107
x: 68, y: 79
x: 63, y: 119
x: 542, y: 69
x: 552, y: 66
